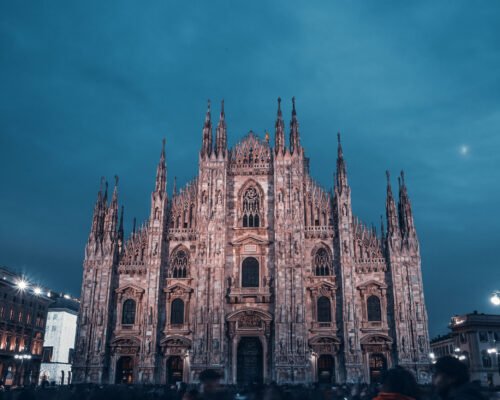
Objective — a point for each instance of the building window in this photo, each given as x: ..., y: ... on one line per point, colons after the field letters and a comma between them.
x: 483, y: 336
x: 373, y: 308
x: 463, y: 338
x: 47, y: 354
x: 177, y: 312
x: 486, y: 359
x: 322, y: 263
x: 251, y: 208
x: 128, y: 312
x: 324, y: 310
x: 179, y: 264
x: 250, y: 272
x: 71, y: 356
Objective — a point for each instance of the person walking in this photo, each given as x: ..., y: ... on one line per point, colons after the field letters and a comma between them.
x: 398, y: 384
x: 451, y: 380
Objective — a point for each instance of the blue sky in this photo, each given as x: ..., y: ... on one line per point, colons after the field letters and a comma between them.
x: 91, y: 88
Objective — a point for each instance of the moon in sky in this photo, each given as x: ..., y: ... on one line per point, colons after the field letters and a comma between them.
x: 464, y: 150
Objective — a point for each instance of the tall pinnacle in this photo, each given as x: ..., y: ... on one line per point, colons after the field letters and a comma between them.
x: 390, y: 209
x: 279, y: 129
x: 206, y: 147
x: 221, y: 135
x: 161, y: 172
x: 294, y: 130
x: 405, y: 210
x: 341, y: 167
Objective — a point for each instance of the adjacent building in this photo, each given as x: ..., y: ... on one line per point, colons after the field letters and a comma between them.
x: 474, y: 339
x: 23, y: 312
x: 59, y: 343
x: 254, y: 270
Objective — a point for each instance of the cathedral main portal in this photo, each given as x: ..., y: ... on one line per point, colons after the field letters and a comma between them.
x: 250, y: 361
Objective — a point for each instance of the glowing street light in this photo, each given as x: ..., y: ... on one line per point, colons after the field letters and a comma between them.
x: 495, y: 298
x: 22, y: 284
x: 37, y: 291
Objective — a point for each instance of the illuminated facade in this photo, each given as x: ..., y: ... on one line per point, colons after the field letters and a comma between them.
x: 254, y: 270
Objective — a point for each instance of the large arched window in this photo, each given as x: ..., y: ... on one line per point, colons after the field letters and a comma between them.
x: 177, y: 312
x: 322, y: 263
x: 251, y: 208
x: 250, y: 272
x: 128, y: 312
x: 324, y: 310
x: 373, y: 308
x: 179, y: 264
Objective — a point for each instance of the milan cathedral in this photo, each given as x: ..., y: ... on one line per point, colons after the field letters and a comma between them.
x: 254, y: 270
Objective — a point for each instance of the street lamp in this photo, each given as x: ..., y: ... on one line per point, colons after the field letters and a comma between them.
x: 495, y: 298
x: 22, y: 357
x: 22, y: 284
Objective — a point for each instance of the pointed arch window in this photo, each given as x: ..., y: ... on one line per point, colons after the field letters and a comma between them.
x: 177, y: 312
x: 128, y: 312
x: 324, y: 309
x: 250, y: 272
x: 322, y: 263
x: 179, y: 264
x: 373, y: 309
x: 251, y: 208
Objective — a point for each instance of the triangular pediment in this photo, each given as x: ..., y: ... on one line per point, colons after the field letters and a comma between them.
x: 250, y: 239
x: 178, y: 286
x: 323, y: 284
x: 372, y: 283
x: 130, y: 287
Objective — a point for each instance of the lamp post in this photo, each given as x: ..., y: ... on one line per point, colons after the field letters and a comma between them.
x: 495, y: 298
x: 22, y: 357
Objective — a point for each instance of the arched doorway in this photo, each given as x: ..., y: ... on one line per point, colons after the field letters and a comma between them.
x: 326, y: 369
x: 125, y: 370
x: 175, y: 368
x: 377, y: 364
x: 250, y: 366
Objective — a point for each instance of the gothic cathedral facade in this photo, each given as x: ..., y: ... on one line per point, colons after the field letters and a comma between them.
x: 253, y: 270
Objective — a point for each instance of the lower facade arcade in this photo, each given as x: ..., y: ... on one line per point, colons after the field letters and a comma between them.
x: 251, y: 355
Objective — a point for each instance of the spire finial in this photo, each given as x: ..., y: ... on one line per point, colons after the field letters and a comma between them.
x: 174, y: 189
x: 279, y: 106
x: 267, y: 136
x: 403, y: 177
x: 294, y: 112
x: 222, y: 107
x: 133, y: 225
x: 399, y: 182
x: 388, y: 175
x: 116, y: 180
x: 338, y: 137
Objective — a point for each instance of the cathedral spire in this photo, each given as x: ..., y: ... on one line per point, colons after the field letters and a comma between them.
x: 294, y: 130
x: 120, y: 226
x: 390, y: 209
x: 99, y: 206
x: 206, y: 147
x: 111, y: 217
x: 341, y: 167
x: 405, y: 211
x: 279, y: 135
x: 174, y: 189
x: 161, y: 172
x: 221, y: 133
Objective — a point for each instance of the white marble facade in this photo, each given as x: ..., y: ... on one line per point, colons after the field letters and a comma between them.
x: 254, y: 270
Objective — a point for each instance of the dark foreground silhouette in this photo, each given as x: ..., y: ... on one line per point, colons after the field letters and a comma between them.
x: 450, y: 382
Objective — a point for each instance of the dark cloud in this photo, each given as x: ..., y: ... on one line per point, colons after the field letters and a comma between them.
x: 89, y: 89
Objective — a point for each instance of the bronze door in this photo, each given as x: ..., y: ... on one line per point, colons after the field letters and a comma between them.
x: 125, y: 370
x: 250, y: 361
x: 175, y: 366
x: 378, y: 365
x: 326, y: 369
